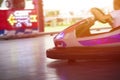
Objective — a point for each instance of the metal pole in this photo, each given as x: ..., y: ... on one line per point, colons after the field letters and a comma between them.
x: 40, y: 15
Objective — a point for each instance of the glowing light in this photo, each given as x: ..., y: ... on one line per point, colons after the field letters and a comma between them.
x: 11, y: 19
x: 33, y: 18
x: 22, y: 17
x: 60, y: 35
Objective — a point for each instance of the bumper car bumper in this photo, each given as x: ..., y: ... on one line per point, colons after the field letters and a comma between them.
x: 84, y: 53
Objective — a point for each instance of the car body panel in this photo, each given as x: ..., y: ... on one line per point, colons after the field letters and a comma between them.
x: 76, y: 42
x: 71, y: 39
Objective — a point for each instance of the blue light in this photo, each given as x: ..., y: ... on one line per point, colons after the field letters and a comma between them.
x: 60, y: 35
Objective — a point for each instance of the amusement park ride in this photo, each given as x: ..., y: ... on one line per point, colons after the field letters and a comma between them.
x: 76, y: 42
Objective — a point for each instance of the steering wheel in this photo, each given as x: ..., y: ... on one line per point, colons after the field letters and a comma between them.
x: 98, y: 14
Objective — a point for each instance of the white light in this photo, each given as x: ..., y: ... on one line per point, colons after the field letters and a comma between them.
x: 75, y: 4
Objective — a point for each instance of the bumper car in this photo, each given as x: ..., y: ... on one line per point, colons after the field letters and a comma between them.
x: 77, y: 41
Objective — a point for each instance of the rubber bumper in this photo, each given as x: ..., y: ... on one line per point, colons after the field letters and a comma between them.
x: 84, y: 52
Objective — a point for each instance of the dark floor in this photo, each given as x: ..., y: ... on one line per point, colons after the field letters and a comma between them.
x: 25, y: 59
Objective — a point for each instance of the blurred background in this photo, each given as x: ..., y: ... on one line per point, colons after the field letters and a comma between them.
x: 62, y: 13
x: 59, y: 14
